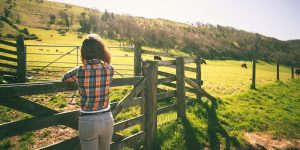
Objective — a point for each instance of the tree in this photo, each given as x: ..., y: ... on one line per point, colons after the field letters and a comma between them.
x: 52, y: 20
x: 67, y: 18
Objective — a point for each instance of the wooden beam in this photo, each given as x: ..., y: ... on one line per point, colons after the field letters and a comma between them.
x: 36, y: 123
x: 180, y: 88
x: 199, y: 89
x: 166, y: 109
x: 136, y: 90
x: 137, y: 59
x: 166, y: 62
x: 127, y: 123
x: 164, y: 95
x: 189, y: 60
x: 73, y: 143
x: 27, y: 106
x: 166, y: 80
x: 133, y: 141
x: 22, y: 89
x: 158, y: 53
x: 165, y: 74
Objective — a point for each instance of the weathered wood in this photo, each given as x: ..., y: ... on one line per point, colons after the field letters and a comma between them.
x: 21, y: 53
x: 189, y: 60
x: 8, y: 58
x: 73, y: 143
x: 166, y: 62
x: 173, y: 85
x: 150, y: 69
x: 22, y: 89
x: 253, y: 85
x: 164, y: 95
x: 166, y: 109
x: 132, y: 141
x: 277, y: 71
x: 137, y: 59
x: 7, y: 43
x: 191, y: 69
x: 36, y: 123
x: 128, y: 97
x: 167, y: 80
x: 27, y: 106
x: 7, y: 73
x: 127, y: 123
x: 198, y: 75
x: 292, y: 71
x: 199, y: 89
x: 180, y: 87
x: 8, y: 66
x: 158, y: 53
x: 8, y: 51
x: 165, y: 74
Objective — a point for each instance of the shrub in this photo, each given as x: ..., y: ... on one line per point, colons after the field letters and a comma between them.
x: 25, y: 31
x: 62, y: 31
x: 11, y: 36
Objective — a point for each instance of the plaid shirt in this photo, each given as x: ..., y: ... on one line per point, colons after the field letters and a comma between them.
x: 93, y: 82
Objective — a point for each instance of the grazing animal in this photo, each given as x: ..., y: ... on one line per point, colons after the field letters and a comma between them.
x: 157, y: 58
x: 51, y: 35
x: 41, y: 49
x: 39, y: 40
x: 297, y: 71
x: 56, y: 50
x: 244, y: 65
x: 126, y: 55
x: 203, y: 61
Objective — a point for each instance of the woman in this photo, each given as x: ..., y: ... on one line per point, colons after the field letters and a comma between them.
x: 93, y: 79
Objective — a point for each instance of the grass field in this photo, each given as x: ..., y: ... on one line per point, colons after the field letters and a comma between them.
x: 224, y: 79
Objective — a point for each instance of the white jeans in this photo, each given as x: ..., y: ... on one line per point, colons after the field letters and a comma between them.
x: 95, y: 131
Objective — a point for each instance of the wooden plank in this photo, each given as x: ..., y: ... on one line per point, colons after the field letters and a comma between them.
x: 166, y: 80
x: 127, y: 123
x: 165, y: 74
x: 186, y: 68
x: 8, y: 51
x: 189, y: 60
x: 73, y: 143
x: 180, y: 87
x: 166, y: 62
x: 27, y: 106
x: 136, y: 90
x: 137, y: 59
x: 164, y: 95
x: 36, y: 123
x: 199, y: 89
x: 22, y: 89
x: 8, y: 43
x: 173, y: 85
x: 7, y: 73
x: 292, y: 68
x: 133, y: 141
x: 21, y: 52
x: 158, y: 53
x: 150, y: 69
x: 166, y: 109
x: 198, y: 75
x: 253, y: 85
x: 8, y: 66
x: 8, y: 58
x: 277, y: 71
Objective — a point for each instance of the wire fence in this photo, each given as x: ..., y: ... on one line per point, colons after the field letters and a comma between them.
x: 51, y: 62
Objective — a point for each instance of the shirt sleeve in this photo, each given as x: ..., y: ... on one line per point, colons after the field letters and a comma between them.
x: 71, y: 75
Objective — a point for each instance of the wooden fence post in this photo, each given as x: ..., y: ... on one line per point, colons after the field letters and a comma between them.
x: 277, y: 71
x: 180, y: 87
x: 21, y: 56
x: 292, y: 71
x: 137, y: 58
x: 253, y: 86
x: 150, y: 70
x: 198, y: 75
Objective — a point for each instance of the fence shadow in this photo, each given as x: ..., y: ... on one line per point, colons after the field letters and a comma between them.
x: 190, y: 137
x: 214, y: 129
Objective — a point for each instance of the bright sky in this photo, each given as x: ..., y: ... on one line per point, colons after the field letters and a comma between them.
x: 276, y: 18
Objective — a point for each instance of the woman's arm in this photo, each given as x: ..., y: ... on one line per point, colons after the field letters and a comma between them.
x: 71, y: 75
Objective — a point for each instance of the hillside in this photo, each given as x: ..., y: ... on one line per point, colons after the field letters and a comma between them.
x: 212, y: 42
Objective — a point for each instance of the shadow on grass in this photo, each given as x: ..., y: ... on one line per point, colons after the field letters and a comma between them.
x: 190, y: 136
x: 216, y: 131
